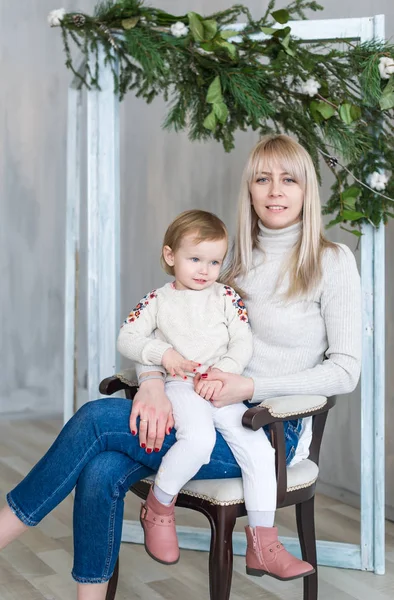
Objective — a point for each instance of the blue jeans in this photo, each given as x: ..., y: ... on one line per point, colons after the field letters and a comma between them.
x: 96, y: 452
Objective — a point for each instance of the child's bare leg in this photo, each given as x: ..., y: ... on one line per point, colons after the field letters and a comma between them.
x: 92, y: 591
x: 10, y: 526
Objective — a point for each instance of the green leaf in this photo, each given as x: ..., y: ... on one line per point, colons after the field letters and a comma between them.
x: 282, y: 33
x: 352, y: 215
x: 281, y: 16
x: 130, y: 23
x: 210, y: 28
x: 208, y: 46
x: 338, y: 219
x: 214, y: 94
x: 316, y: 114
x: 387, y: 101
x: 268, y: 30
x: 231, y: 49
x: 389, y: 87
x: 228, y: 33
x: 353, y: 231
x: 350, y: 203
x: 210, y: 121
x: 196, y: 26
x: 221, y: 111
x: 326, y: 110
x: 346, y: 112
x: 349, y: 197
x: 355, y: 112
x: 353, y: 191
x: 285, y: 43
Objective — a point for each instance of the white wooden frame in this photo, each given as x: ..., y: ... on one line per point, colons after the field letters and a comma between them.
x: 103, y: 298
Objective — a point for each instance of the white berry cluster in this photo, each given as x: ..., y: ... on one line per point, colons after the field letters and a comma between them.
x: 377, y: 181
x: 179, y: 29
x: 386, y: 67
x: 56, y: 16
x: 310, y: 87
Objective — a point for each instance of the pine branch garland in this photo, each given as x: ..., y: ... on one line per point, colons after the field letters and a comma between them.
x: 336, y: 97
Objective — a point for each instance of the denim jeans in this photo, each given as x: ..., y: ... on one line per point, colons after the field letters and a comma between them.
x: 96, y: 452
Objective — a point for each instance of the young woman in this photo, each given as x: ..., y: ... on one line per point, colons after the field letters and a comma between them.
x: 304, y: 305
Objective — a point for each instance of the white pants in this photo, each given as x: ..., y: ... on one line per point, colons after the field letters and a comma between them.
x: 195, y: 423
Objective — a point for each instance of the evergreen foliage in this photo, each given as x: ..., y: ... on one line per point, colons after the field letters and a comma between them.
x: 218, y: 80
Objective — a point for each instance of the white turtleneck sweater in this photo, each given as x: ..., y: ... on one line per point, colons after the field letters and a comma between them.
x: 302, y: 346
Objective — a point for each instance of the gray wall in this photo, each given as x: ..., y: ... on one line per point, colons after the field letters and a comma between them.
x: 162, y: 174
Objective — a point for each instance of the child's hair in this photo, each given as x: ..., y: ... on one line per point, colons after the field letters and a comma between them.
x: 204, y: 225
x: 304, y: 267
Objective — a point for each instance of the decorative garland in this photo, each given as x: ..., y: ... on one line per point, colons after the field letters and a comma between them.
x: 219, y: 78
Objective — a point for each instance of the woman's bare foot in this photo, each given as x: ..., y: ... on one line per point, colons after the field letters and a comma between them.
x: 10, y: 526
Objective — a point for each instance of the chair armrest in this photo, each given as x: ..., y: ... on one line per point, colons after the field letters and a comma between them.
x: 286, y: 408
x: 116, y: 383
x: 273, y: 412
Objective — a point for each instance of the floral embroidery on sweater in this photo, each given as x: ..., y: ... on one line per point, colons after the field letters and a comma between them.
x: 238, y: 303
x: 135, y: 313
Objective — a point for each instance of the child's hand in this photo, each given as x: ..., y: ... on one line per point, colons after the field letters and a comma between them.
x: 209, y: 389
x: 176, y: 364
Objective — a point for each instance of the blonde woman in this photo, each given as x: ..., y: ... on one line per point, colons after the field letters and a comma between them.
x: 303, y: 300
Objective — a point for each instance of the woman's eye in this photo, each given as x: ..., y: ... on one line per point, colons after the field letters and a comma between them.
x: 194, y: 259
x: 261, y: 179
x: 290, y: 179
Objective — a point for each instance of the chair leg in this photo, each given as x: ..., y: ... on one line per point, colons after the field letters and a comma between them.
x: 305, y: 513
x: 222, y: 520
x: 113, y: 583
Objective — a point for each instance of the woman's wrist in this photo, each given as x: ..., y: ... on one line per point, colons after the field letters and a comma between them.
x: 250, y: 387
x: 151, y: 379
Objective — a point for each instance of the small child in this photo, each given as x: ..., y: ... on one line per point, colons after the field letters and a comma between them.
x: 192, y: 323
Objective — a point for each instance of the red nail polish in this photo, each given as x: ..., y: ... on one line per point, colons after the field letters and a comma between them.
x: 143, y: 445
x: 199, y: 364
x: 157, y: 449
x: 185, y: 377
x: 194, y: 370
x: 169, y: 431
x: 204, y: 376
x: 134, y: 432
x: 174, y: 375
x: 149, y: 450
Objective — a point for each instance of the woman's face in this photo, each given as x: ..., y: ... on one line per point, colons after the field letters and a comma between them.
x: 276, y: 197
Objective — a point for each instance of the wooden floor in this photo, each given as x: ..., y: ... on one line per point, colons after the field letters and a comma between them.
x: 37, y: 566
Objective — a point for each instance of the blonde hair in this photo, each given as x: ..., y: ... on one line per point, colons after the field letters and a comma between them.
x: 304, y: 265
x: 203, y: 224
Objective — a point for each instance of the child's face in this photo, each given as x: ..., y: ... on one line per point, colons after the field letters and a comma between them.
x: 196, y: 266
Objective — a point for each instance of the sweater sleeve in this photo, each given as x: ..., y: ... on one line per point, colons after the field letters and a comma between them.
x: 240, y: 346
x: 341, y: 311
x: 135, y: 340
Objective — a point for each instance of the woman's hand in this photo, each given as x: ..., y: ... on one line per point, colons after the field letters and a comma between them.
x: 209, y: 389
x: 176, y: 364
x: 236, y: 388
x: 155, y: 411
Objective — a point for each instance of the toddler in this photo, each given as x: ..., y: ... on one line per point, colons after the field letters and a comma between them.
x: 196, y: 323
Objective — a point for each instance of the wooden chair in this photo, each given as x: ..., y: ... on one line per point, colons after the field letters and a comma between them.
x: 221, y: 500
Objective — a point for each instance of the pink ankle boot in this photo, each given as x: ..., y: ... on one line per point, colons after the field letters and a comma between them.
x: 265, y: 555
x: 158, y: 523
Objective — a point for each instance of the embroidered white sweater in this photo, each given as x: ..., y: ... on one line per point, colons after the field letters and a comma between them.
x: 301, y: 346
x: 208, y: 326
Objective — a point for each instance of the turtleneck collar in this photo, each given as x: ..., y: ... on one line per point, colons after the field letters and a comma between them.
x: 278, y: 241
